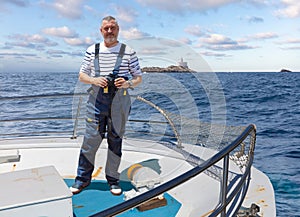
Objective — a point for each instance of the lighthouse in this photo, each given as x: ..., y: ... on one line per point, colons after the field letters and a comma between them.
x: 183, y: 64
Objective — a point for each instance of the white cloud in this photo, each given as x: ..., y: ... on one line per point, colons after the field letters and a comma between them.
x: 152, y: 50
x: 185, y: 40
x: 63, y: 32
x: 67, y: 8
x: 218, y: 39
x: 132, y: 33
x: 209, y: 54
x: 219, y: 42
x: 125, y: 14
x: 187, y: 5
x: 291, y: 9
x: 293, y: 41
x: 34, y: 41
x: 264, y: 35
x: 194, y: 30
x: 79, y: 42
x: 291, y: 48
x: 290, y: 44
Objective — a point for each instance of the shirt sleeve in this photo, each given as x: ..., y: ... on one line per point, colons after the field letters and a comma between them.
x: 87, y: 63
x: 134, y: 66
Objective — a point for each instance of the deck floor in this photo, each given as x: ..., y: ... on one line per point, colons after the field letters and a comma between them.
x: 97, y: 197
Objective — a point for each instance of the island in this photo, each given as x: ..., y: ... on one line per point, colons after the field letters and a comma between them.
x: 285, y: 70
x: 181, y: 67
x: 171, y: 68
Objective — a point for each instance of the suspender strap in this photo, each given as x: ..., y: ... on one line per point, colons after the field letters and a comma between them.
x: 119, y: 59
x: 118, y: 62
x: 96, y: 60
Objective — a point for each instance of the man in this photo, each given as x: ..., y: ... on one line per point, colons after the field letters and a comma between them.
x: 111, y: 68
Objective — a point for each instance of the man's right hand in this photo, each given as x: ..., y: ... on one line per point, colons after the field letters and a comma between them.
x: 99, y: 81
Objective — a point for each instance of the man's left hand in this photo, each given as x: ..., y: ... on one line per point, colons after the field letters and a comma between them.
x: 120, y: 83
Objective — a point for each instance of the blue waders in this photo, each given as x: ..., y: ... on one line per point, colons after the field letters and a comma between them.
x: 107, y: 111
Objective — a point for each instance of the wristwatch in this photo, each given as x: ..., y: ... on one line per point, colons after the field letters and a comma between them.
x: 130, y: 84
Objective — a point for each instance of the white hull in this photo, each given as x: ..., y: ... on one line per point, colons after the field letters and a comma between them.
x: 199, y: 196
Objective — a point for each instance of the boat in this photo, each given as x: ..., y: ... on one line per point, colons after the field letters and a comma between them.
x: 172, y: 165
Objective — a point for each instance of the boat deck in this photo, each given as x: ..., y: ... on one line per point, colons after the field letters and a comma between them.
x: 97, y: 197
x: 195, y: 197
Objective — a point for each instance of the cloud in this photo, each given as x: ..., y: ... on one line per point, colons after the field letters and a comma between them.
x: 290, y: 44
x: 291, y: 9
x: 218, y: 39
x: 19, y: 3
x: 293, y: 41
x: 34, y: 41
x: 125, y: 14
x: 63, y: 32
x: 219, y: 42
x: 264, y: 35
x: 71, y: 9
x: 152, y: 50
x: 35, y: 38
x: 254, y: 19
x: 291, y: 48
x: 194, y: 30
x: 79, y: 42
x: 133, y: 33
x: 24, y: 44
x: 61, y: 53
x: 209, y: 54
x: 18, y: 55
x: 69, y: 36
x: 185, y: 40
x: 184, y: 6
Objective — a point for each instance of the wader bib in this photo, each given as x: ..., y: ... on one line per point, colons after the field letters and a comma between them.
x: 107, y: 111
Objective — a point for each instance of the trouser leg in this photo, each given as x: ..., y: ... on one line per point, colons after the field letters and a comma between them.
x: 114, y: 154
x: 95, y: 130
x: 116, y: 129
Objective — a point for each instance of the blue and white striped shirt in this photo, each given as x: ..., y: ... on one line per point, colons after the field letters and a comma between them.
x: 107, y: 59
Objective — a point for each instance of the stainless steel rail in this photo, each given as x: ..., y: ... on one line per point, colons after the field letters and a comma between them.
x: 239, y: 191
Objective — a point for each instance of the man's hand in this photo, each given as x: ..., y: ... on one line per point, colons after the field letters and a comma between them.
x: 121, y: 83
x: 100, y: 81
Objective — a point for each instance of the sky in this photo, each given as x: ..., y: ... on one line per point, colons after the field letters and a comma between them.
x: 229, y: 35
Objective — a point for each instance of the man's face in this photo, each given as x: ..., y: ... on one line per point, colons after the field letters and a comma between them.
x: 110, y: 31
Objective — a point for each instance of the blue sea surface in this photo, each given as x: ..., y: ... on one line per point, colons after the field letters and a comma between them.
x: 270, y: 100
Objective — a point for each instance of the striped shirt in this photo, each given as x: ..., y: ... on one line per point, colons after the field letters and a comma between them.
x: 107, y: 59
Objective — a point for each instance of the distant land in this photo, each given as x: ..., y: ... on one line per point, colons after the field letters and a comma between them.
x: 285, y: 70
x: 168, y: 69
x: 180, y: 69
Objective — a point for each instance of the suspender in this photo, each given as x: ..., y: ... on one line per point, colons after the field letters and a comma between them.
x: 96, y: 60
x: 118, y: 61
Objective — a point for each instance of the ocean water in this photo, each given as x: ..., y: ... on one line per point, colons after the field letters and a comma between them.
x: 271, y: 101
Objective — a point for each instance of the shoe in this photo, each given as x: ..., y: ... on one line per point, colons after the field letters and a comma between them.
x: 115, y: 189
x: 77, y: 188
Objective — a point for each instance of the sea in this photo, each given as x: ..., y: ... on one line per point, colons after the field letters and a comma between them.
x: 270, y: 100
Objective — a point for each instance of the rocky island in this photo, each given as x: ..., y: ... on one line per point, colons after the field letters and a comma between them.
x: 182, y: 67
x: 285, y: 70
x: 171, y: 68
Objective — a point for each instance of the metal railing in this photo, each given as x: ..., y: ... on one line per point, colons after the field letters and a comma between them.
x: 240, y: 189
